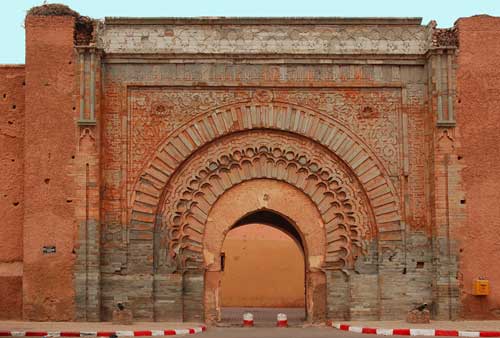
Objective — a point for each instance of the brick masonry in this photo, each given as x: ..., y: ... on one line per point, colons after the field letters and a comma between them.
x: 49, y: 185
x: 478, y: 83
x: 12, y: 83
x: 132, y: 147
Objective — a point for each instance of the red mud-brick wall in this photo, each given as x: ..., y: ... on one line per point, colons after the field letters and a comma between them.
x: 478, y: 119
x: 49, y: 150
x: 11, y: 190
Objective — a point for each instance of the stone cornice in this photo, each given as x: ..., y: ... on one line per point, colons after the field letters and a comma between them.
x: 281, y: 21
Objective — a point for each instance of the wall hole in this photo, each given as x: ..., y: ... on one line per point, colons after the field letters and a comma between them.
x: 4, y: 95
x: 420, y: 265
x: 12, y: 160
x: 462, y: 201
x: 47, y: 180
x: 13, y: 106
x: 15, y: 204
x: 24, y: 83
x: 69, y: 201
x: 459, y: 157
x: 70, y: 62
x: 73, y: 157
x: 222, y: 261
x: 10, y: 122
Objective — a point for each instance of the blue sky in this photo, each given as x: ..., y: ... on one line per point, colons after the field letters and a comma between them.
x: 445, y: 12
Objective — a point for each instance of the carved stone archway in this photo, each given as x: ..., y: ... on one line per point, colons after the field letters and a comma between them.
x: 192, y: 191
x: 221, y: 149
x: 269, y: 115
x: 339, y: 232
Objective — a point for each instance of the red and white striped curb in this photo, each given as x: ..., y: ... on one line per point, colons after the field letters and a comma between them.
x: 416, y: 332
x: 142, y: 333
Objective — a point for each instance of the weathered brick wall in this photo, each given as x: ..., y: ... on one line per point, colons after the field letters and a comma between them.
x: 49, y: 154
x: 478, y: 118
x: 12, y: 89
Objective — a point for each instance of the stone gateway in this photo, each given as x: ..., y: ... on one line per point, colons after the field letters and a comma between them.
x: 132, y: 146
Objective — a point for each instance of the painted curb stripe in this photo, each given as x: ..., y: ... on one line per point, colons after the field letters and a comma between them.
x: 35, y: 333
x: 143, y: 333
x: 422, y: 332
x: 415, y: 332
x: 489, y: 333
x: 385, y: 332
x: 401, y: 332
x: 449, y: 333
x: 182, y: 331
x: 468, y: 333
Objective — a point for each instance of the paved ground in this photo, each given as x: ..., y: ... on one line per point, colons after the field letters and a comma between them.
x: 262, y: 316
x: 273, y: 332
x: 257, y: 332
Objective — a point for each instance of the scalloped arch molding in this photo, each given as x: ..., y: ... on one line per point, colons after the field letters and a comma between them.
x: 274, y: 116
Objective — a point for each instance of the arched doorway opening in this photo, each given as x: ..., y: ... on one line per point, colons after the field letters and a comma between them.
x: 250, y: 202
x: 263, y: 269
